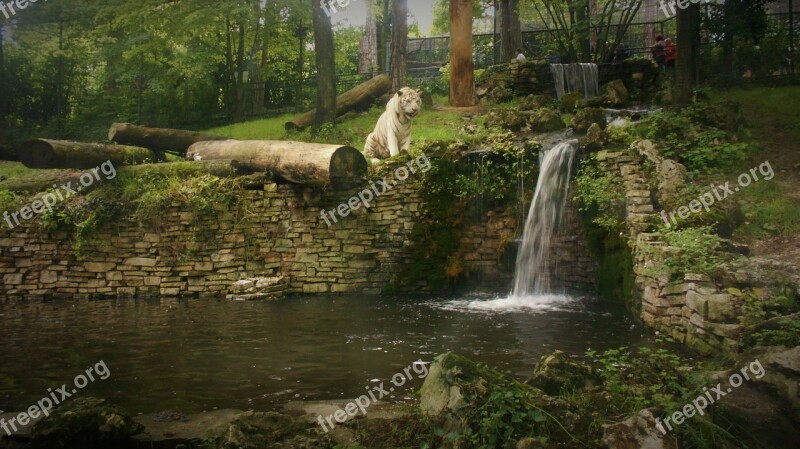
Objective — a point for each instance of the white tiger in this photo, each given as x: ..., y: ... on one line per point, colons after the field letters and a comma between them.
x: 393, y: 132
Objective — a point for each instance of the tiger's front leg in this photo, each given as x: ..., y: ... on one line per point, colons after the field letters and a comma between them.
x: 392, y: 141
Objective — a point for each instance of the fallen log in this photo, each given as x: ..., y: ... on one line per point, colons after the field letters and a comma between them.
x: 340, y: 167
x: 358, y: 96
x: 158, y: 139
x: 40, y: 182
x: 186, y: 169
x: 44, y: 153
x: 7, y: 153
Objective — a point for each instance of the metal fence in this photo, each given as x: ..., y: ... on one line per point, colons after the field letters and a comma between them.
x: 775, y: 57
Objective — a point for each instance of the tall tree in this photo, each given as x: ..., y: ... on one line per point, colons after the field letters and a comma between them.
x: 688, y: 53
x: 368, y: 47
x: 510, y: 29
x: 462, y: 73
x: 326, y: 66
x: 399, y: 43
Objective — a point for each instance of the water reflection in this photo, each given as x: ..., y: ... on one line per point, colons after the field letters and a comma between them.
x: 194, y: 355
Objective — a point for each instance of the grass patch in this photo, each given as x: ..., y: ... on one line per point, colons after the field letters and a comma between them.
x: 353, y: 131
x: 11, y: 170
x: 768, y: 211
x: 774, y: 106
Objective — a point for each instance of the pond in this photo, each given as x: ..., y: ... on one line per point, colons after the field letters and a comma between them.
x: 196, y: 355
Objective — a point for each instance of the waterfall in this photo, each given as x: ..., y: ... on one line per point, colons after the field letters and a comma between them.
x: 583, y: 78
x: 532, y: 275
x: 558, y: 76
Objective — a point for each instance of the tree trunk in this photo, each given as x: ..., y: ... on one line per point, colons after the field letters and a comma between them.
x: 462, y: 74
x: 43, y: 153
x: 157, y: 139
x: 688, y: 52
x: 399, y: 43
x: 510, y: 30
x: 326, y: 68
x: 40, y: 182
x: 358, y: 96
x: 368, y: 48
x: 340, y: 167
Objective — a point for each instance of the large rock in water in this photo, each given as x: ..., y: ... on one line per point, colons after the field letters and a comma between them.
x: 84, y: 423
x: 546, y: 120
x: 584, y: 118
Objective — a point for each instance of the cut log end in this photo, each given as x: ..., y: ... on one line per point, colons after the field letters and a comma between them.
x: 348, y: 168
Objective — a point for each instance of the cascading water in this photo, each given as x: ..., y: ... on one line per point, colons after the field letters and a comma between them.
x: 558, y: 77
x: 583, y: 78
x: 533, y: 272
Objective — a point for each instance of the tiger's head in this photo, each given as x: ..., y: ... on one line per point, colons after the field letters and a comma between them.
x: 409, y: 102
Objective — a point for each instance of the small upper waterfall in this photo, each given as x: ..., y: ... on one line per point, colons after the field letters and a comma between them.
x: 532, y: 275
x: 583, y: 78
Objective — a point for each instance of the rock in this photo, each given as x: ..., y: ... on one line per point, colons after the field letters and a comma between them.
x: 584, y: 118
x: 253, y: 289
x: 556, y: 373
x: 595, y: 138
x: 532, y: 102
x: 256, y: 430
x: 546, y: 120
x: 761, y: 272
x: 439, y: 394
x: 86, y: 423
x: 615, y: 94
x: 672, y: 178
x: 506, y: 119
x: 570, y: 102
x: 637, y: 432
x: 501, y: 95
x: 780, y: 371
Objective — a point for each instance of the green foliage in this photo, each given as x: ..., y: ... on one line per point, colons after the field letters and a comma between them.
x: 600, y: 196
x: 498, y: 174
x: 641, y: 378
x: 9, y: 201
x: 706, y: 137
x: 143, y: 198
x: 692, y: 250
x: 771, y: 319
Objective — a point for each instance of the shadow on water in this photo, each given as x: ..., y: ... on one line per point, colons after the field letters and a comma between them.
x: 195, y: 355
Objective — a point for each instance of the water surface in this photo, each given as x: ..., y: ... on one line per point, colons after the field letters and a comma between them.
x: 194, y: 355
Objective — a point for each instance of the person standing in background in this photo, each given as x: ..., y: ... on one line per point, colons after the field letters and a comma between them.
x: 670, y: 53
x: 658, y: 51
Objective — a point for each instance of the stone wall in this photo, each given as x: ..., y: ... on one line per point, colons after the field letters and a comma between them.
x: 277, y: 245
x: 694, y: 310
